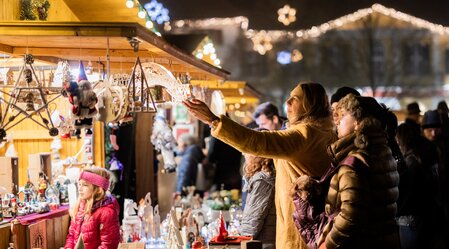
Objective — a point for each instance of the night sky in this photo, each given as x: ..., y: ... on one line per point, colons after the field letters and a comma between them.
x: 262, y: 14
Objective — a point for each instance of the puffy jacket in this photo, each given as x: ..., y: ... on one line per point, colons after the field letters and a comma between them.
x: 363, y: 197
x: 100, y: 230
x: 259, y: 215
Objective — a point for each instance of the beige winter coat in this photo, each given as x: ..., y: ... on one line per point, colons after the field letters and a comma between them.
x: 298, y: 150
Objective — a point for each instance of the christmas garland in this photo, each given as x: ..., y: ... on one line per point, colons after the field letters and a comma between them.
x: 33, y: 9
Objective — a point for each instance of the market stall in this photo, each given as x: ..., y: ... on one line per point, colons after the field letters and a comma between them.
x: 114, y: 52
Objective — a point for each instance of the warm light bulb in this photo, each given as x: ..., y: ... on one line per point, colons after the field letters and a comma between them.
x: 141, y: 13
x: 130, y: 3
x: 149, y: 24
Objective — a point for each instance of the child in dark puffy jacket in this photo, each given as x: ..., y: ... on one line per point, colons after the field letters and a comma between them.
x: 95, y: 217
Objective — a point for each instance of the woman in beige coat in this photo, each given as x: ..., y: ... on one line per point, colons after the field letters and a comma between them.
x: 298, y: 150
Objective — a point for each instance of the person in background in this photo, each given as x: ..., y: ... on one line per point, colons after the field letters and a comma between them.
x: 339, y: 94
x: 187, y: 169
x: 95, y: 217
x: 414, y: 116
x: 259, y: 214
x: 432, y: 131
x: 267, y: 116
x: 417, y: 189
x: 362, y: 197
x: 443, y: 110
x: 226, y: 162
x: 299, y: 149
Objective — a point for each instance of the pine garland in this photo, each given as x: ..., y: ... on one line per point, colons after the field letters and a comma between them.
x: 33, y: 9
x: 26, y: 10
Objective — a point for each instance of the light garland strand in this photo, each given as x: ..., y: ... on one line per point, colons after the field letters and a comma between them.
x: 263, y: 39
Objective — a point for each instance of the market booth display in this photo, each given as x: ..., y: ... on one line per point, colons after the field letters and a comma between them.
x: 129, y: 73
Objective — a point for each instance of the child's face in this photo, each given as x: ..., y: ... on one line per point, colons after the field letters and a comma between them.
x: 85, y: 190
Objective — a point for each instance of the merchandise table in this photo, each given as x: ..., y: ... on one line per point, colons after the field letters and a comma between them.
x: 46, y: 230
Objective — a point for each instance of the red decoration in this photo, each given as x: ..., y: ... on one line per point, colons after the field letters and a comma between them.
x: 222, y: 232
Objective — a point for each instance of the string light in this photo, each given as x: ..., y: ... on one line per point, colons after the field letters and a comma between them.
x: 157, y: 12
x: 130, y: 3
x: 149, y: 24
x: 142, y: 13
x: 207, y: 52
x: 316, y: 31
x: 263, y: 40
x: 212, y: 22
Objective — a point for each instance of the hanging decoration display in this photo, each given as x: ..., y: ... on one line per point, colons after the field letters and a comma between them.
x: 140, y: 99
x: 83, y: 100
x: 163, y: 140
x: 27, y: 100
x: 158, y: 75
x: 34, y: 9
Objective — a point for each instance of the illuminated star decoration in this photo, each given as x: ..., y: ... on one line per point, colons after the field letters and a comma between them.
x: 157, y: 12
x: 286, y: 15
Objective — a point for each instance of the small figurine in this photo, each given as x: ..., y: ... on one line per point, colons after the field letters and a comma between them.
x: 42, y: 185
x: 222, y: 233
x: 14, y: 207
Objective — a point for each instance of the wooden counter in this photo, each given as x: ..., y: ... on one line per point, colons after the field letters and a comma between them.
x: 47, y: 230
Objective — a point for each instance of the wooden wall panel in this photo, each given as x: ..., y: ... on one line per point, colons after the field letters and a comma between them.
x: 9, y: 10
x: 58, y: 12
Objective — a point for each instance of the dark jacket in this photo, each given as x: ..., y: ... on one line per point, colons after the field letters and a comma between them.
x: 364, y: 197
x: 259, y: 215
x: 227, y: 162
x: 188, y: 168
x: 100, y: 230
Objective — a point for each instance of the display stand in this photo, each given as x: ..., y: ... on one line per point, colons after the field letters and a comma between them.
x: 40, y: 162
x: 33, y: 231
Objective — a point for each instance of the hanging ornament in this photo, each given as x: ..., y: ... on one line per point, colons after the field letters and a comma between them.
x: 286, y: 15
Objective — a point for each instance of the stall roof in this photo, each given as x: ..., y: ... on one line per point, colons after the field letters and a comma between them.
x: 52, y: 41
x: 233, y: 91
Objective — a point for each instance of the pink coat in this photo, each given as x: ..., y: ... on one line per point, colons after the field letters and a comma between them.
x: 100, y: 230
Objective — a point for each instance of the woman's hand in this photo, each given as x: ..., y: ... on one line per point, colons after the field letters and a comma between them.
x: 200, y: 110
x: 322, y: 246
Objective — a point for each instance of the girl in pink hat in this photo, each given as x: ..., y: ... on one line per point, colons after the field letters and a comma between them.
x: 95, y: 217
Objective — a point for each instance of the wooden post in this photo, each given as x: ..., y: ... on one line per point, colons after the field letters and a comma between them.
x: 145, y: 177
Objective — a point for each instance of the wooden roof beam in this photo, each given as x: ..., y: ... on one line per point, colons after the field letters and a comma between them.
x: 6, y: 49
x: 70, y: 52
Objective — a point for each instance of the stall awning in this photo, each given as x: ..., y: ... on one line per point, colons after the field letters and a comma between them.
x: 233, y: 91
x: 52, y: 41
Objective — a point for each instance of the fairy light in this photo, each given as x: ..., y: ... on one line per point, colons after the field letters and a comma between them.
x: 130, y: 4
x: 207, y: 52
x: 142, y: 13
x: 263, y: 40
x: 316, y: 31
x: 149, y: 24
x: 212, y: 22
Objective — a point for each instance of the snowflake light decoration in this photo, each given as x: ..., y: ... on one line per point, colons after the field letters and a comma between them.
x: 157, y: 12
x: 286, y: 15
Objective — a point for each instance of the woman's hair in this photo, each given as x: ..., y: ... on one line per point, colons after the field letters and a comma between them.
x: 98, y: 192
x: 370, y: 115
x: 315, y: 102
x: 256, y: 164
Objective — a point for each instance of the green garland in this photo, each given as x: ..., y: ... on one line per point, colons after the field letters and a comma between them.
x: 34, y: 9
